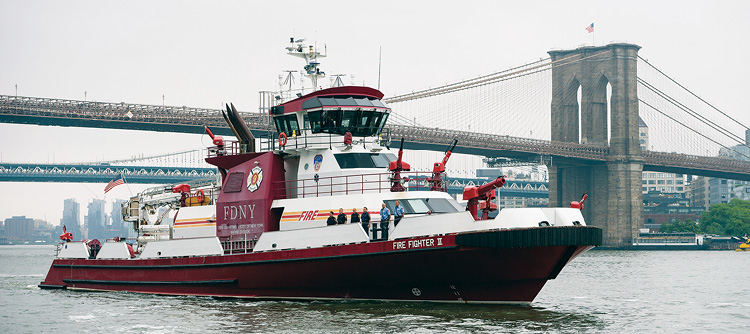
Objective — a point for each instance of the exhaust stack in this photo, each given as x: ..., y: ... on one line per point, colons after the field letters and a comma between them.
x: 240, y: 129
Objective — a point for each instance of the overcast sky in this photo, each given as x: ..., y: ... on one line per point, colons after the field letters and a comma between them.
x: 202, y: 54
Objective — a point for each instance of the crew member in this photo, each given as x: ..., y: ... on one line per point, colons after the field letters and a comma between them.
x: 331, y: 219
x: 355, y: 216
x: 365, y: 220
x: 342, y: 217
x: 385, y: 217
x: 398, y: 213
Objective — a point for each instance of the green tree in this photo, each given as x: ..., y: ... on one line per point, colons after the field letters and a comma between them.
x: 714, y: 228
x: 731, y: 218
x: 678, y: 226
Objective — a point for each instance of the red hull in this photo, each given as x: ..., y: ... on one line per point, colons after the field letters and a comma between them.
x: 440, y: 269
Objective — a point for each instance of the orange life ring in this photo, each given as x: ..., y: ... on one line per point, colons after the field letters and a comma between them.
x: 282, y: 139
x: 200, y: 195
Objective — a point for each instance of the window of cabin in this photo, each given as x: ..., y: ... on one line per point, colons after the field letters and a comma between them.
x: 364, y: 160
x: 287, y: 124
x: 361, y: 123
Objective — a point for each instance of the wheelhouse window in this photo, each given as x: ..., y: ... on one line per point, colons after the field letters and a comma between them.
x: 361, y: 123
x: 287, y: 124
x: 364, y: 160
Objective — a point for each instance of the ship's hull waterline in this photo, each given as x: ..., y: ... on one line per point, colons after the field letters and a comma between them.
x: 494, y: 267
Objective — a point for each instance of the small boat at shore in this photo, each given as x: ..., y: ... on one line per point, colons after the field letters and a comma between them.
x: 744, y: 246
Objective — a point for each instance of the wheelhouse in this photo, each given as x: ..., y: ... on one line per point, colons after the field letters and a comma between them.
x: 357, y: 110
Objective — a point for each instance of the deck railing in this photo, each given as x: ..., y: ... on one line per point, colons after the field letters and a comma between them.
x: 355, y: 184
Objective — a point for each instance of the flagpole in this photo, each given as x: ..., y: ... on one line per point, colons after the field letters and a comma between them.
x: 126, y: 183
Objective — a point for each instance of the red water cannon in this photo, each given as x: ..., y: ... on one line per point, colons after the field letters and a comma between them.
x: 184, y: 190
x: 66, y: 236
x: 484, y: 193
x: 438, y: 170
x: 579, y: 205
x: 396, y: 167
x: 217, y: 140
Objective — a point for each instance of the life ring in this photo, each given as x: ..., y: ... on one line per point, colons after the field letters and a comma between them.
x: 200, y: 195
x: 282, y: 139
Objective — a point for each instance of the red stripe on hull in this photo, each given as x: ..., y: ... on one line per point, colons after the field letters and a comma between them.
x: 371, y: 271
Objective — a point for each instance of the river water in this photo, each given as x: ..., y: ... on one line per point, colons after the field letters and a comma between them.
x: 599, y: 292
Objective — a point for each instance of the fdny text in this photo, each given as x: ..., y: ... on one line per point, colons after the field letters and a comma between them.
x: 238, y: 211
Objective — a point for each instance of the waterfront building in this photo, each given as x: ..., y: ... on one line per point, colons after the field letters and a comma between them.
x: 723, y: 190
x: 698, y: 192
x: 19, y: 228
x: 660, y: 208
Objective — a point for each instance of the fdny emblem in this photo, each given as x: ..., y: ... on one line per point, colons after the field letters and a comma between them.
x: 255, y: 178
x: 317, y: 161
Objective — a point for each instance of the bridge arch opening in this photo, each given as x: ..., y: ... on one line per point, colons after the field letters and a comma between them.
x: 571, y: 113
x: 598, y: 121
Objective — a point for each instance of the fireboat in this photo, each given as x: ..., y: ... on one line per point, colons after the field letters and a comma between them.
x: 261, y: 231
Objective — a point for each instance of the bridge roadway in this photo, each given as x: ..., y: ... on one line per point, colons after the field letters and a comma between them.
x: 59, y: 112
x: 103, y: 173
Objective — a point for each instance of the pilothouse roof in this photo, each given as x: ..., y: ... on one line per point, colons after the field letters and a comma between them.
x: 318, y: 98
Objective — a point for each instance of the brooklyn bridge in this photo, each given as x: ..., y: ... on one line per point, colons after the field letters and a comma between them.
x: 577, y: 111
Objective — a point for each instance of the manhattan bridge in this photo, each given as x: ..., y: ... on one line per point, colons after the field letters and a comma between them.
x: 576, y: 111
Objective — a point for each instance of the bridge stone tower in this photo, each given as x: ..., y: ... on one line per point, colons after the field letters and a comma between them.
x: 614, y: 187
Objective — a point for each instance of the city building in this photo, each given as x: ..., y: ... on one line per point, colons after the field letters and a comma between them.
x: 115, y: 217
x: 643, y: 133
x: 739, y: 152
x: 19, y: 228
x: 663, y: 182
x: 95, y: 220
x: 43, y: 231
x: 71, y: 218
x: 699, y: 192
x: 660, y: 208
x: 723, y: 190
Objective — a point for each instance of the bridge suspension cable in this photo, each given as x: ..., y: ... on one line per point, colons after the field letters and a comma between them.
x: 512, y: 73
x: 691, y: 129
x: 692, y: 113
x: 691, y: 93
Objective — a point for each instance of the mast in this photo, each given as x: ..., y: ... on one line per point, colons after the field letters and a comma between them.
x: 310, y: 54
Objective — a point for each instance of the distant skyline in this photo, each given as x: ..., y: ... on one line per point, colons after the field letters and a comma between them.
x: 203, y: 54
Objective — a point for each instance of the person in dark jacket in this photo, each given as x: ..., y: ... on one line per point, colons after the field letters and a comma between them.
x: 331, y: 219
x: 342, y: 217
x: 355, y: 216
x: 366, y: 220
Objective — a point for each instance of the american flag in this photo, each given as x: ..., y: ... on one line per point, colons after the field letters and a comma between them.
x: 114, y: 183
x: 590, y: 28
